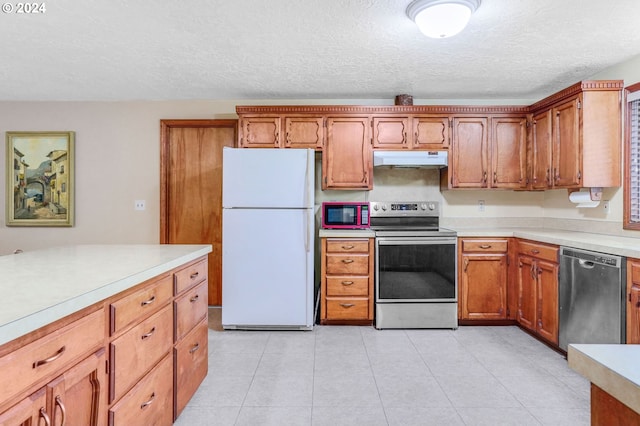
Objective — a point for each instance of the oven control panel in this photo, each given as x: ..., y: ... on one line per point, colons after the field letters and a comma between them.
x: 412, y: 208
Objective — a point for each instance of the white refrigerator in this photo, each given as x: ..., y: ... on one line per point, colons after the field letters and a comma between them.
x: 268, y: 238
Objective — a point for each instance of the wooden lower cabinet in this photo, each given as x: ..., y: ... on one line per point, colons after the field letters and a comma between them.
x: 633, y: 301
x: 135, y: 358
x: 347, y: 280
x: 483, y: 267
x: 76, y: 397
x: 538, y: 289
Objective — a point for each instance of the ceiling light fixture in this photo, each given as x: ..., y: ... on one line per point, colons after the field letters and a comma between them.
x: 441, y: 18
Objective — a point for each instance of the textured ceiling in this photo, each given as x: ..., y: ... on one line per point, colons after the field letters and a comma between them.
x: 306, y: 49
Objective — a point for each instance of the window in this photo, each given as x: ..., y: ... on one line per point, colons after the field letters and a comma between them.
x: 632, y: 159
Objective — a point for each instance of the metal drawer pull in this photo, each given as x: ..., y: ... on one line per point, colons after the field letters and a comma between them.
x: 194, y: 348
x: 62, y: 409
x: 52, y: 358
x: 348, y: 247
x: 347, y: 260
x: 485, y: 246
x: 194, y: 298
x: 148, y: 403
x: 149, y: 334
x: 45, y: 416
x: 534, y: 251
x: 347, y: 305
x: 148, y: 302
x: 347, y: 282
x: 194, y: 275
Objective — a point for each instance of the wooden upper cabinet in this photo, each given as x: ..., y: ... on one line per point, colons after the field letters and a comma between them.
x: 541, y: 145
x: 390, y: 132
x: 347, y: 161
x: 431, y: 132
x: 468, y: 160
x: 566, y: 145
x: 260, y: 132
x: 508, y: 152
x: 585, y: 125
x: 304, y: 132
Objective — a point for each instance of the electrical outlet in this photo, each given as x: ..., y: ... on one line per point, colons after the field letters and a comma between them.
x: 480, y: 205
x: 139, y: 205
x: 606, y: 206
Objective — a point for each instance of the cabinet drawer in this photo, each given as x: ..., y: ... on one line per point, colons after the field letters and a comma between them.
x: 136, y: 351
x: 348, y: 308
x: 134, y: 307
x: 150, y: 402
x: 348, y: 264
x: 484, y: 245
x: 50, y: 354
x: 347, y: 286
x: 347, y: 246
x: 191, y: 363
x: 191, y: 275
x: 540, y: 251
x: 190, y: 308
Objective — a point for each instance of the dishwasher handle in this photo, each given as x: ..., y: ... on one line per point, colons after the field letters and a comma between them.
x: 586, y: 264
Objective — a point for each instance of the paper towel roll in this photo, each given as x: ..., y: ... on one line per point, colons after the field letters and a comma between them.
x: 583, y: 199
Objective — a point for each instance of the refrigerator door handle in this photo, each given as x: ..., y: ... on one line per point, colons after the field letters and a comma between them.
x: 307, y: 178
x: 307, y: 229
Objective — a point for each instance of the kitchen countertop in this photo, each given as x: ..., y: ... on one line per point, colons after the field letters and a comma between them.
x: 621, y: 246
x: 41, y: 286
x: 613, y: 368
x: 346, y: 233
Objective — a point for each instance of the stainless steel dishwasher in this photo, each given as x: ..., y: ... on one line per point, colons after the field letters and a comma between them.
x: 592, y: 297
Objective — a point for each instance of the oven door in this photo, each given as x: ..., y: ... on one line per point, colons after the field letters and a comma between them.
x: 416, y: 269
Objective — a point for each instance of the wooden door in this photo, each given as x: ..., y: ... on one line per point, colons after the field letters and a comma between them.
x: 390, y: 132
x: 469, y: 162
x: 508, y: 152
x: 527, y: 280
x: 79, y: 394
x: 347, y: 161
x: 541, y: 148
x: 547, y: 300
x: 191, y: 188
x: 484, y: 281
x: 431, y: 132
x: 260, y: 132
x: 304, y: 132
x: 566, y: 145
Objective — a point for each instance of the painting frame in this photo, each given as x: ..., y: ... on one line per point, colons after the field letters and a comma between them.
x: 40, y: 179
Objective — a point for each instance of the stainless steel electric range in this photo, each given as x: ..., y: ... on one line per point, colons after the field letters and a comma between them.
x: 416, y: 267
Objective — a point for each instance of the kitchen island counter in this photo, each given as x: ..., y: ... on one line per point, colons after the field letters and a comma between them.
x: 42, y: 286
x: 613, y: 369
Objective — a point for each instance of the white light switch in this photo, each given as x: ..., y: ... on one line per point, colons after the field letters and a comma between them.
x: 480, y: 205
x: 139, y: 205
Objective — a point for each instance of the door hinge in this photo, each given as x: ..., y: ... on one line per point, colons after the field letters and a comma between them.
x: 106, y: 366
x: 579, y: 104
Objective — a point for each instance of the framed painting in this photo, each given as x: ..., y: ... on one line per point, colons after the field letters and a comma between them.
x: 40, y: 178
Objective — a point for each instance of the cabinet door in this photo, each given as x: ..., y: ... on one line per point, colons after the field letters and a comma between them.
x: 508, y: 152
x: 260, y: 132
x: 347, y: 158
x: 547, y: 300
x: 633, y: 315
x: 469, y: 163
x: 78, y: 396
x: 431, y: 132
x: 566, y: 145
x: 304, y: 132
x: 390, y: 132
x: 541, y: 151
x: 29, y: 411
x: 527, y: 281
x: 483, y: 282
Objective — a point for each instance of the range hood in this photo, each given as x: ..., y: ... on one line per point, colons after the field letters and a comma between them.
x: 414, y: 159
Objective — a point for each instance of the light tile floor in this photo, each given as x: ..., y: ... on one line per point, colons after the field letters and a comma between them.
x: 342, y: 375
